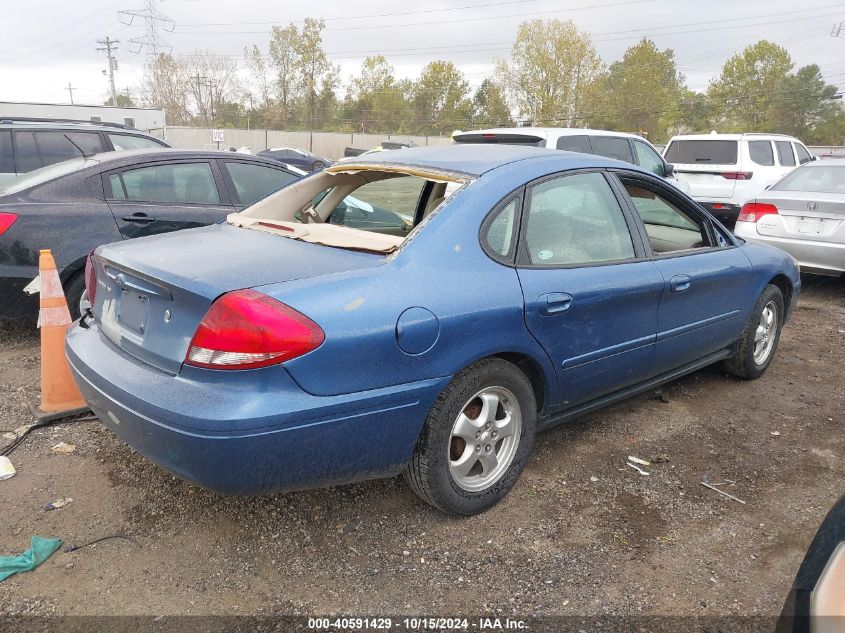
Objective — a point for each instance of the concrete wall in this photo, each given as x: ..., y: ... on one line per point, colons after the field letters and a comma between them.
x: 328, y: 144
x: 144, y: 118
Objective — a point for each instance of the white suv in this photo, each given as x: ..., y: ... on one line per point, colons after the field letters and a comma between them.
x: 619, y: 145
x: 724, y: 171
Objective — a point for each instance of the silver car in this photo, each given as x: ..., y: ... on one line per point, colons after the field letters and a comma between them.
x: 803, y: 214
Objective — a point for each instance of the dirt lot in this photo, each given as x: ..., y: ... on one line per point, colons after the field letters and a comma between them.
x: 580, y: 534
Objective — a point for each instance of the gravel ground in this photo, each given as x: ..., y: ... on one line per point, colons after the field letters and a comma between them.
x: 580, y: 534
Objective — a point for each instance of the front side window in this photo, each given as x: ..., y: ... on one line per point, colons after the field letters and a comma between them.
x: 253, y: 182
x: 761, y: 153
x: 785, y: 156
x: 669, y: 227
x: 129, y: 141
x: 191, y: 183
x: 803, y: 154
x: 649, y: 159
x: 575, y: 220
x: 384, y: 206
x: 38, y: 148
x: 577, y: 143
x: 612, y: 147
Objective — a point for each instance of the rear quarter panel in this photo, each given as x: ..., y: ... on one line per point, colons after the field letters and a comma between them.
x: 769, y: 263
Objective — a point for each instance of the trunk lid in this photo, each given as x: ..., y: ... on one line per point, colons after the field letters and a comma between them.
x: 805, y: 215
x: 153, y: 292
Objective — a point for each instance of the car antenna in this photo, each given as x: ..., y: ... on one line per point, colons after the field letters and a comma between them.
x: 81, y: 151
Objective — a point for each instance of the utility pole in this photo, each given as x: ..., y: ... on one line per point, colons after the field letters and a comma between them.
x: 200, y: 81
x: 109, y: 48
x: 837, y: 30
x: 70, y: 90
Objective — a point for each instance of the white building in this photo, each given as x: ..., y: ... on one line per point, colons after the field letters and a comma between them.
x: 146, y: 119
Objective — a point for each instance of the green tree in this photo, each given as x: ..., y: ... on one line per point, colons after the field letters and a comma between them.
x: 375, y: 101
x: 805, y: 106
x: 639, y: 94
x: 748, y: 93
x: 164, y: 86
x: 489, y: 108
x: 551, y: 64
x: 440, y: 99
x: 310, y: 65
x: 283, y: 62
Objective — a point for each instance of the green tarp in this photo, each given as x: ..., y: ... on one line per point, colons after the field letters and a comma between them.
x: 40, y: 550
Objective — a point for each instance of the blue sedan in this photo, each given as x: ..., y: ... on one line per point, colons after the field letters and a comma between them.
x: 304, y: 343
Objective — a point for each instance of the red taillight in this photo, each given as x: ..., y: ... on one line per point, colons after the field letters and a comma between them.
x: 90, y: 278
x: 245, y: 329
x: 737, y: 175
x: 7, y: 220
x: 753, y: 211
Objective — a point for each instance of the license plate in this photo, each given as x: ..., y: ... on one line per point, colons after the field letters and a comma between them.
x: 810, y: 226
x: 132, y: 310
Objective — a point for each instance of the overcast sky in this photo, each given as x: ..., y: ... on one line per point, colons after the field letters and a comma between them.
x: 44, y: 44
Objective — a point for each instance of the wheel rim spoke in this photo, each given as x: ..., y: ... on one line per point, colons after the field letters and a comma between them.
x: 489, y: 461
x: 504, y: 427
x: 465, y: 462
x: 466, y: 428
x: 489, y: 406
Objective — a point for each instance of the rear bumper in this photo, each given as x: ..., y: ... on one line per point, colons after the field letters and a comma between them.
x: 826, y: 258
x: 247, y: 432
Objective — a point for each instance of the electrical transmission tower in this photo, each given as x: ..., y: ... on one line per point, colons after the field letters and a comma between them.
x: 152, y: 43
x: 109, y: 47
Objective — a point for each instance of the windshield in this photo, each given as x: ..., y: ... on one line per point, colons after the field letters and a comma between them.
x: 820, y: 179
x: 39, y: 176
x: 702, y: 152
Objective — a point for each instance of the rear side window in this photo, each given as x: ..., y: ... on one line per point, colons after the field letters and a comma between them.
x: 612, y: 147
x: 502, y: 230
x: 253, y: 182
x: 7, y: 159
x: 383, y: 206
x: 128, y: 141
x: 577, y: 143
x: 761, y: 153
x: 803, y: 154
x: 702, y: 152
x: 785, y: 153
x: 36, y: 148
x: 575, y: 220
x: 181, y: 182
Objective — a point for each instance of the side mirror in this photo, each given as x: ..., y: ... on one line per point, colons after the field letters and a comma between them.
x: 668, y: 169
x: 814, y: 157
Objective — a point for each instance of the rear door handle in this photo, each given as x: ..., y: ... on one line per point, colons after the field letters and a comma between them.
x: 679, y: 283
x: 554, y: 303
x: 139, y: 218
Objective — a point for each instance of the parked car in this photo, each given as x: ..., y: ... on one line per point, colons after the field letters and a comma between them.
x: 299, y: 158
x: 29, y: 144
x: 724, y: 171
x: 803, y: 214
x: 268, y: 353
x: 619, y: 145
x: 74, y: 206
x: 351, y: 152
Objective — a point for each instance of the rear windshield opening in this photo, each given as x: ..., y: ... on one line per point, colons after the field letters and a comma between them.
x: 501, y: 139
x: 702, y: 152
x: 360, y: 208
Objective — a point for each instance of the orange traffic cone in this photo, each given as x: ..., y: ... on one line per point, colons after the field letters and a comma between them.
x: 59, y: 394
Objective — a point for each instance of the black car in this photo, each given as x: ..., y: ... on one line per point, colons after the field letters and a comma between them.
x: 29, y: 144
x: 305, y: 161
x: 74, y: 206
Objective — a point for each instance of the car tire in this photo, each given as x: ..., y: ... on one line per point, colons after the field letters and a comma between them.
x: 317, y: 164
x: 759, y: 340
x: 492, y: 404
x: 74, y: 288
